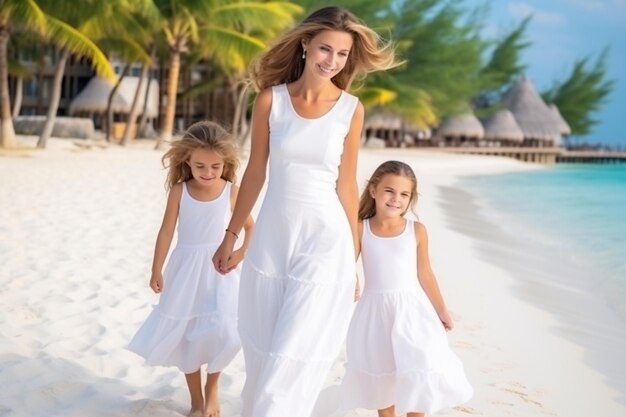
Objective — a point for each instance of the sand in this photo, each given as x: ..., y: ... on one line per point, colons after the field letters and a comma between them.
x: 77, y: 229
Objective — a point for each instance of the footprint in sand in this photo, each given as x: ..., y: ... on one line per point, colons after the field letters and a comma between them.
x: 466, y: 409
x: 519, y: 390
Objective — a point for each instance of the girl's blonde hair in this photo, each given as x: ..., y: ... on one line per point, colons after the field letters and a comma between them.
x: 200, y: 135
x: 283, y: 62
x: 367, y: 204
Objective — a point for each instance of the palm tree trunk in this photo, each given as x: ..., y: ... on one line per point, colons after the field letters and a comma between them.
x: 241, y: 102
x: 131, y: 123
x: 7, y: 133
x: 109, y: 112
x: 142, y: 125
x: 170, y: 107
x: 19, y: 93
x: 55, y: 98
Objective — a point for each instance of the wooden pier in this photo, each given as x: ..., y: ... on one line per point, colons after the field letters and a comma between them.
x: 543, y: 155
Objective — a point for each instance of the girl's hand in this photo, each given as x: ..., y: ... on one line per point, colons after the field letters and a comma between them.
x: 357, y: 290
x: 224, y: 252
x: 156, y: 282
x: 446, y: 320
x: 235, y: 259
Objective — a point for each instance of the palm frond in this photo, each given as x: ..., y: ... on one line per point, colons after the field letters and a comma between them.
x: 375, y: 96
x: 24, y: 13
x: 246, y: 16
x: 232, y: 50
x: 65, y: 36
x: 202, y: 87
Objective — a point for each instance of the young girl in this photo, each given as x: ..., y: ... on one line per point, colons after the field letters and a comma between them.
x: 297, y: 280
x: 398, y: 358
x: 195, y: 321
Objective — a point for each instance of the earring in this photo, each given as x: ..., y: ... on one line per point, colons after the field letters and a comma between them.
x: 303, y: 53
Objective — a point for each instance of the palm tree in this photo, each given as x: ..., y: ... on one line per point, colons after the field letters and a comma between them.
x: 13, y: 14
x: 93, y: 21
x: 225, y: 28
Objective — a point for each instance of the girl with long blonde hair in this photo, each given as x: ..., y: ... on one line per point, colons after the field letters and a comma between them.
x: 195, y: 321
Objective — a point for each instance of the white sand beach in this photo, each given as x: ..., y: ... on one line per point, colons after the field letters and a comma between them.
x: 77, y: 232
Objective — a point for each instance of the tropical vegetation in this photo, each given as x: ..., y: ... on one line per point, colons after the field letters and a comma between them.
x: 448, y: 65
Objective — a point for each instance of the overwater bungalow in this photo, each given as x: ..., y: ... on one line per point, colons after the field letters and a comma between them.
x: 532, y: 114
x: 501, y: 129
x: 462, y: 130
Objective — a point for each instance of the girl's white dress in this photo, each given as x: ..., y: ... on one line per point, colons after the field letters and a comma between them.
x: 397, y: 349
x: 195, y: 321
x: 298, y: 276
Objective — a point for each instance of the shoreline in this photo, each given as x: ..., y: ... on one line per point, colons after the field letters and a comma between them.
x: 76, y: 246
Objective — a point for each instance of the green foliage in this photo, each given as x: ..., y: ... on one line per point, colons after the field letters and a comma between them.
x: 582, y: 94
x: 439, y: 42
x: 502, y: 68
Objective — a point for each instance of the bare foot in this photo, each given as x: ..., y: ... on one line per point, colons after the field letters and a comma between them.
x: 212, y: 407
x: 212, y: 401
x: 195, y: 413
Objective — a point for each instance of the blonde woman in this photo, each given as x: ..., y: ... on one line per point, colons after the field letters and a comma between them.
x: 195, y: 321
x: 297, y: 287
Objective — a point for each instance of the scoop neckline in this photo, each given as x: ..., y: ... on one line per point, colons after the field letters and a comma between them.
x: 293, y: 109
x: 369, y: 229
x: 205, y: 201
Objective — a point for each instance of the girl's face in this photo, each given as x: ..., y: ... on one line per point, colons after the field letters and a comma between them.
x: 327, y: 53
x: 392, y: 195
x: 206, y: 166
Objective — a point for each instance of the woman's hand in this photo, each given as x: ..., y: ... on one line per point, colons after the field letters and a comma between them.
x: 235, y: 259
x: 357, y: 290
x: 223, y: 254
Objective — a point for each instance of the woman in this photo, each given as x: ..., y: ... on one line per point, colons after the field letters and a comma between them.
x: 298, y: 276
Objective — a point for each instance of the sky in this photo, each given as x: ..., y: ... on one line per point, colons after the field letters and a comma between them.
x: 562, y: 32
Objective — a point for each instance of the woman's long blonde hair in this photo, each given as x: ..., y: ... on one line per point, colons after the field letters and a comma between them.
x: 283, y: 63
x: 200, y: 135
x: 367, y: 204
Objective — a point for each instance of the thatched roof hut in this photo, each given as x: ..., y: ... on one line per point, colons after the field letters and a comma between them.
x: 94, y: 97
x: 562, y: 124
x: 502, y: 126
x: 465, y: 125
x: 381, y: 121
x: 532, y: 114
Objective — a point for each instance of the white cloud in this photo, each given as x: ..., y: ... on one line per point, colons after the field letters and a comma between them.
x: 520, y: 10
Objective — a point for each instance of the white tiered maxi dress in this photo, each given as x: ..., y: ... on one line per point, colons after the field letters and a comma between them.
x: 298, y: 277
x: 397, y: 348
x: 195, y: 321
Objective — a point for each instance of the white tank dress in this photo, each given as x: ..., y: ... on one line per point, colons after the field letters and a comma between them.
x: 195, y: 321
x: 397, y: 348
x: 298, y: 276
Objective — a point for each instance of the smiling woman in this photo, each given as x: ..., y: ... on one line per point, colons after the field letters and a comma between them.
x: 298, y: 277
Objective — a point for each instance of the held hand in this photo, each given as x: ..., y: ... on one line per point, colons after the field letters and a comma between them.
x: 235, y: 259
x: 156, y: 282
x: 446, y: 320
x: 222, y: 255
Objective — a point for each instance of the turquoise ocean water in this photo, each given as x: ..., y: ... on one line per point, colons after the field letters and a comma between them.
x: 577, y: 211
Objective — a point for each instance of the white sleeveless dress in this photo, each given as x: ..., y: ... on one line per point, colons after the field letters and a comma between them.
x: 195, y: 321
x: 298, y: 276
x: 397, y: 348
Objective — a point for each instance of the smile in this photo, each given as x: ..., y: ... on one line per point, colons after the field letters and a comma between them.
x: 326, y: 70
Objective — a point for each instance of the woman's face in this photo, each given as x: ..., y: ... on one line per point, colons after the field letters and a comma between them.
x: 327, y: 53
